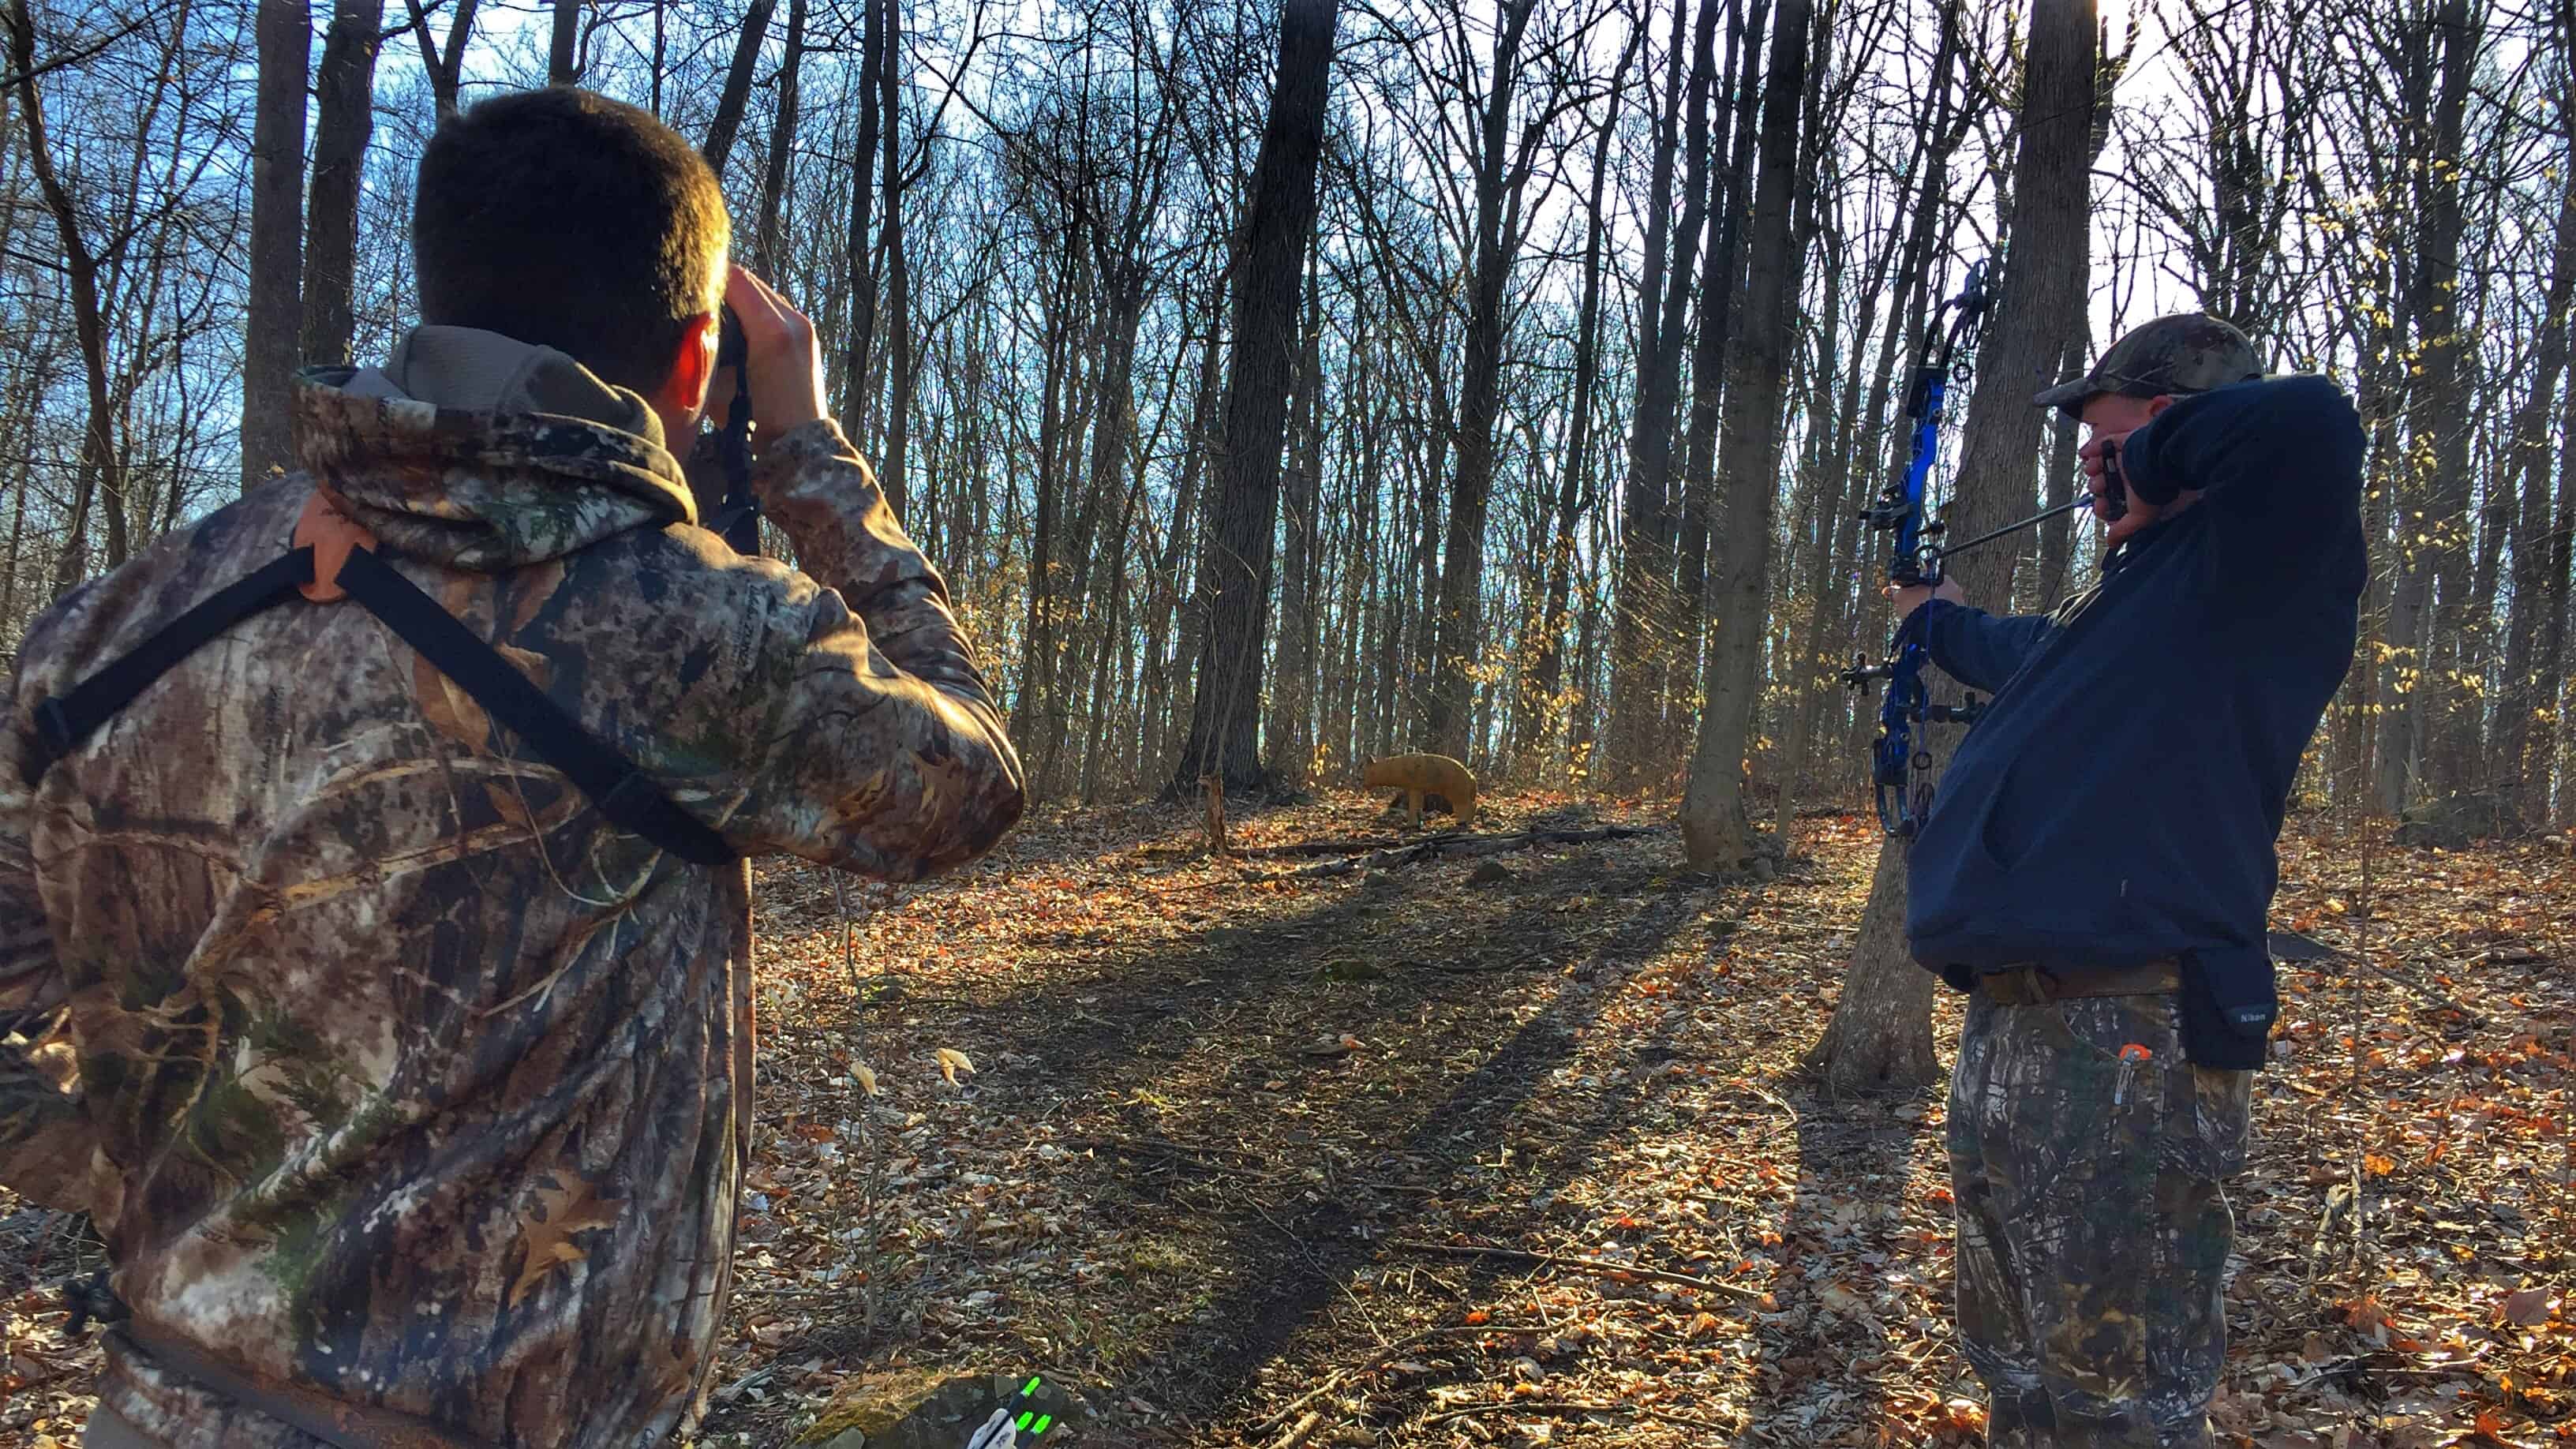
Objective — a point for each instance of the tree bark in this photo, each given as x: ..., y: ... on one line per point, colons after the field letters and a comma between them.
x: 898, y: 274
x: 2558, y: 694
x: 1235, y: 571
x: 1686, y: 619
x: 1501, y: 173
x: 1541, y: 703
x: 782, y: 140
x: 1291, y: 735
x: 2528, y: 458
x: 2433, y: 427
x: 855, y: 399
x: 1641, y: 599
x: 446, y: 68
x: 344, y: 121
x: 1716, y: 830
x: 736, y: 94
x: 2449, y: 715
x: 1880, y: 1035
x: 100, y: 469
x: 564, y: 54
x: 275, y: 312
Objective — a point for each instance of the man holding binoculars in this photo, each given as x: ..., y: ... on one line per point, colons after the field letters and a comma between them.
x: 401, y: 953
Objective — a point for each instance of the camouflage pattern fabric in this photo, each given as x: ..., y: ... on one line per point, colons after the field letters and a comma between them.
x: 2186, y: 353
x: 2093, y: 1233
x: 402, y: 1075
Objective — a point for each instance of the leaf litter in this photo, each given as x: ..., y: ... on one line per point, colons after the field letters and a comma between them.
x: 1386, y: 1157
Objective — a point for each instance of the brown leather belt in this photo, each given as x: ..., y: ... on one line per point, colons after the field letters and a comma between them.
x: 332, y: 1420
x: 2032, y: 985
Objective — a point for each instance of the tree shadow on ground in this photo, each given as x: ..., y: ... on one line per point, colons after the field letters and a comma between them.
x: 1292, y: 1260
x: 1279, y: 1175
x: 1827, y: 1340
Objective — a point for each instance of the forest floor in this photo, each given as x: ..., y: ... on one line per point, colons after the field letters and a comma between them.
x: 1437, y: 1153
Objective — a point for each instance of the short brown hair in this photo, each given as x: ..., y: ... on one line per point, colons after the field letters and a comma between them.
x: 565, y: 219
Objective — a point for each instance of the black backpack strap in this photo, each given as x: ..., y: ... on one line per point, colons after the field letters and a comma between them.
x: 623, y: 793
x: 63, y: 721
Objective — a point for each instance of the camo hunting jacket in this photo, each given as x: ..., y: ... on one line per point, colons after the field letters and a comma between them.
x: 400, y: 1073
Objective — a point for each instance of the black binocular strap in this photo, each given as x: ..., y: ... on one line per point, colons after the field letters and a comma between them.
x: 621, y: 792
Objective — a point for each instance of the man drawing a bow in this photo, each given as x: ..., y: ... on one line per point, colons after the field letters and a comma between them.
x: 2096, y: 870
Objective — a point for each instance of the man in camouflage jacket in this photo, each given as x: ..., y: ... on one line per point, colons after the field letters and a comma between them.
x: 405, y: 1081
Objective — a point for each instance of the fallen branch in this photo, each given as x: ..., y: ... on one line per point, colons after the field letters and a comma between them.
x: 1599, y: 1265
x: 1304, y: 1431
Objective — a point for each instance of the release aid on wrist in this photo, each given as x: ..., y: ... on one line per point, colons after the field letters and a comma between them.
x: 2115, y: 486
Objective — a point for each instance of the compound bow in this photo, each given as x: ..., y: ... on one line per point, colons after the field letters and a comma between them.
x: 1899, y: 767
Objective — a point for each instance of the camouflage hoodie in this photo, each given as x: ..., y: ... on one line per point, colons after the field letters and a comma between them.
x: 400, y: 1073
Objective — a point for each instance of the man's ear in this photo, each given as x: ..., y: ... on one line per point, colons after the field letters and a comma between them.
x: 683, y: 395
x: 2159, y: 403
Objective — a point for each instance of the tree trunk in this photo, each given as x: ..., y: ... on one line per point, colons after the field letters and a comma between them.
x: 782, y: 140
x: 898, y: 275
x: 1716, y: 830
x: 2558, y: 695
x: 1291, y: 735
x: 1541, y: 704
x: 100, y: 474
x: 737, y: 86
x: 1686, y: 619
x: 275, y: 313
x: 1162, y: 690
x: 2433, y: 270
x: 344, y: 121
x: 1877, y: 1046
x: 862, y: 330
x: 1457, y: 641
x: 1641, y: 599
x: 1880, y: 1037
x: 563, y: 56
x: 2448, y: 711
x: 446, y: 70
x: 1235, y: 571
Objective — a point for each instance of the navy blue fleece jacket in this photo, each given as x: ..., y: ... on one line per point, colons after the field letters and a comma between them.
x: 2120, y: 798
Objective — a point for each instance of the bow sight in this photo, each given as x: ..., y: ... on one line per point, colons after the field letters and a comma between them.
x: 1899, y: 769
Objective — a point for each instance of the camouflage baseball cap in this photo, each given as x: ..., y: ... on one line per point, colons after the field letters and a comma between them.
x: 2185, y: 353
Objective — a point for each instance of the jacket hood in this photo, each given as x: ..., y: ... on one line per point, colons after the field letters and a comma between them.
x: 475, y: 450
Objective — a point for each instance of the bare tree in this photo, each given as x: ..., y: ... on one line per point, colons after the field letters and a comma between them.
x: 445, y: 64
x: 563, y: 55
x: 276, y: 310
x: 1716, y: 829
x: 344, y: 119
x: 101, y: 466
x: 737, y: 83
x: 1880, y: 1034
x: 1234, y: 573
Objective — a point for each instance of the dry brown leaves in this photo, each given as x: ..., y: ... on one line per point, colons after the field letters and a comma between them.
x: 1392, y: 1159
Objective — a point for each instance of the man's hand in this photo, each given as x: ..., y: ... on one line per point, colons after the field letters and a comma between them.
x: 779, y: 351
x: 2101, y: 455
x: 1908, y: 598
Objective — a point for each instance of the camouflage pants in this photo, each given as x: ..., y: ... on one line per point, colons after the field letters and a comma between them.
x: 2093, y: 1232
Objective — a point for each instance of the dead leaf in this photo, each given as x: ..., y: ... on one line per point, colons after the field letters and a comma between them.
x: 547, y: 1228
x: 953, y: 1061
x: 2525, y: 1307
